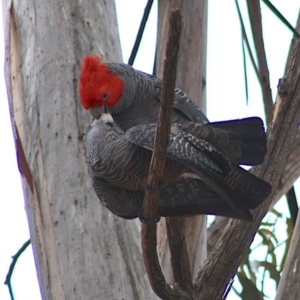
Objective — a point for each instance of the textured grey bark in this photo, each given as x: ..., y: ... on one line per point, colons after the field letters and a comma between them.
x: 289, y: 287
x: 289, y: 282
x: 191, y: 78
x: 81, y: 250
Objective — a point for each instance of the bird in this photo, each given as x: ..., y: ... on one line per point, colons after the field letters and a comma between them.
x: 133, y: 98
x: 119, y: 162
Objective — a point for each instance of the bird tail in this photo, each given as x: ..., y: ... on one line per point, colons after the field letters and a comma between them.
x: 247, y: 140
x: 191, y: 196
x: 242, y: 141
x: 240, y: 189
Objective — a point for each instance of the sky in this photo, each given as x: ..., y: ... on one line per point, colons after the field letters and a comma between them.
x: 225, y: 96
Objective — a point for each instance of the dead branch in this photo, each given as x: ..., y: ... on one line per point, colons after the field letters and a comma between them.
x: 156, y: 277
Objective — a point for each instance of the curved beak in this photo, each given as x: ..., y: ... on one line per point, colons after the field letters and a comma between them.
x: 97, y: 111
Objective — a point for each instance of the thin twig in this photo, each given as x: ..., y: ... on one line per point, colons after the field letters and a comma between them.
x: 156, y: 277
x: 281, y: 17
x: 244, y: 34
x: 263, y: 71
x: 140, y: 32
x: 12, y: 266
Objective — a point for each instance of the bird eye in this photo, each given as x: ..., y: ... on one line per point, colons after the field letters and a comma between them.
x: 104, y: 95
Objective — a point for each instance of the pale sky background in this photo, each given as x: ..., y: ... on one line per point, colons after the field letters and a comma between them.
x: 225, y: 96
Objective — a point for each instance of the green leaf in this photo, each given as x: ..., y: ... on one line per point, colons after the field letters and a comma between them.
x: 272, y: 269
x: 249, y: 289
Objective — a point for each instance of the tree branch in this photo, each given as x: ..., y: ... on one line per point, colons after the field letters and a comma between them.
x: 263, y: 71
x: 164, y: 119
x: 290, y: 174
x: 191, y: 78
x: 238, y: 235
x: 179, y: 256
x: 156, y: 277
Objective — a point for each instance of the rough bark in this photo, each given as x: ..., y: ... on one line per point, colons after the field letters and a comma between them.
x: 289, y: 282
x: 191, y: 77
x: 289, y: 287
x: 81, y: 250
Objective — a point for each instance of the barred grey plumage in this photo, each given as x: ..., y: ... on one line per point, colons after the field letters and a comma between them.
x: 119, y: 164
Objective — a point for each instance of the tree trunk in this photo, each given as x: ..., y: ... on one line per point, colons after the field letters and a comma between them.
x: 81, y: 250
x: 191, y: 77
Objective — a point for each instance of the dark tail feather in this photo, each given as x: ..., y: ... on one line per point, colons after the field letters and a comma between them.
x: 251, y: 189
x: 239, y: 188
x: 247, y: 142
x: 190, y: 196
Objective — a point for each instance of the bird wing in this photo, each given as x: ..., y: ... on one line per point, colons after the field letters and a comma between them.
x: 184, y: 106
x: 237, y: 187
